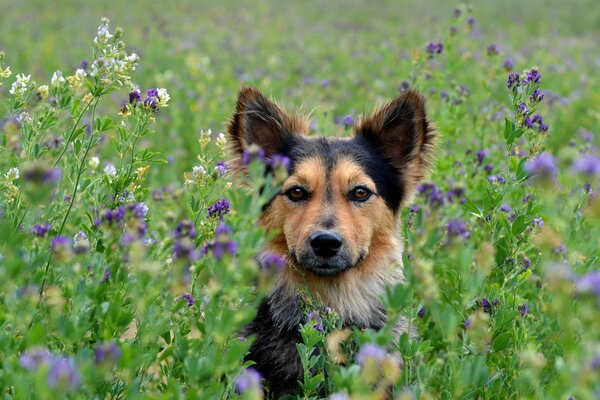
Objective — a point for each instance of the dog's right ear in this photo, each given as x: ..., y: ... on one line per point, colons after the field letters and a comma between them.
x: 259, y: 121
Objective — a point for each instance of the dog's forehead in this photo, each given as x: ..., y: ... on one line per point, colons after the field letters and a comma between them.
x: 329, y: 153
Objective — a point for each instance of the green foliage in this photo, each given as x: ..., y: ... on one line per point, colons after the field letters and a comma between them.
x: 127, y: 255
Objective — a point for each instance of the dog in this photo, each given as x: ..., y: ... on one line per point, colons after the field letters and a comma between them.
x: 335, y: 220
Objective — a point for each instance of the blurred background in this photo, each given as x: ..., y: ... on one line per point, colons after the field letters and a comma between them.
x: 332, y: 58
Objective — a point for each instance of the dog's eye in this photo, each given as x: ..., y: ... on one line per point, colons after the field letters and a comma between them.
x: 360, y: 193
x: 297, y: 194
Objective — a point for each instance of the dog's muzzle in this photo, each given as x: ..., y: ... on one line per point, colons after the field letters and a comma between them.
x: 325, y: 254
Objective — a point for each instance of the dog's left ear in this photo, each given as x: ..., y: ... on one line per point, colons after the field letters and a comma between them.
x: 259, y: 121
x: 403, y: 136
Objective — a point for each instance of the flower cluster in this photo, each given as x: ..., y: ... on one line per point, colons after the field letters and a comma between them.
x: 62, y: 372
x: 21, y: 86
x: 437, y: 197
x: 184, y: 248
x: 434, y: 48
x: 130, y: 217
x: 218, y: 209
x: 111, y: 63
x: 222, y: 244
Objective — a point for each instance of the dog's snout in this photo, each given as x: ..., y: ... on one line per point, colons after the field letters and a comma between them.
x: 325, y: 244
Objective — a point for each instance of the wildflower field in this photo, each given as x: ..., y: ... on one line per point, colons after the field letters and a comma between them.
x: 127, y: 246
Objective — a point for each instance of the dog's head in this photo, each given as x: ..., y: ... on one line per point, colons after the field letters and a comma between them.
x: 338, y: 208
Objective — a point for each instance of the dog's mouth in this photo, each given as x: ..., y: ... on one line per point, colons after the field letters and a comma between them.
x: 332, y: 266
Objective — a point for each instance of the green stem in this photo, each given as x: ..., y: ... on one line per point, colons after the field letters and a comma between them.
x: 64, y: 221
x: 70, y: 137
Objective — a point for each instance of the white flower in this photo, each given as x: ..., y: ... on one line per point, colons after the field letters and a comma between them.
x: 19, y: 87
x: 94, y: 162
x: 5, y: 73
x: 132, y: 60
x: 221, y: 141
x: 163, y: 97
x: 57, y: 79
x: 43, y: 91
x: 24, y: 117
x: 103, y: 32
x: 206, y: 134
x: 80, y: 73
x: 110, y: 169
x: 12, y: 174
x: 198, y: 171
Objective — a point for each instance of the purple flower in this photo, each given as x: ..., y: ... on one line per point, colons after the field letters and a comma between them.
x: 34, y: 357
x: 63, y: 373
x: 107, y: 352
x: 508, y: 65
x: 467, y: 323
x: 544, y: 165
x: 248, y: 379
x: 522, y: 109
x: 279, y: 161
x: 526, y: 263
x: 458, y: 227
x: 471, y: 21
x: 421, y: 312
x: 218, y: 209
x: 221, y: 168
x: 252, y: 153
x: 596, y: 363
x: 505, y: 208
x: 456, y: 193
x: 223, y: 230
x: 537, y: 223
x: 348, y: 120
x: 41, y: 230
x: 514, y: 81
x: 432, y: 193
x: 532, y: 76
x: 492, y: 50
x: 135, y: 97
x: 529, y: 198
x: 188, y: 298
x: 488, y: 168
x: 481, y: 155
x: 106, y: 276
x: 81, y: 243
x: 587, y: 164
x: 523, y: 309
x: 536, y: 96
x: 184, y: 249
x: 370, y: 351
x: 273, y: 261
x: 41, y: 174
x: 223, y: 243
x: 139, y: 210
x: 586, y: 135
x: 527, y: 123
x: 184, y: 229
x: 60, y: 244
x: 590, y: 283
x: 487, y: 307
x: 314, y: 318
x: 434, y: 48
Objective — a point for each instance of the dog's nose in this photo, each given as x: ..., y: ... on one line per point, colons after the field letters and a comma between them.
x: 325, y: 244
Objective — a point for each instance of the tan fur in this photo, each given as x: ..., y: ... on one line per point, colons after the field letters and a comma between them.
x: 368, y: 227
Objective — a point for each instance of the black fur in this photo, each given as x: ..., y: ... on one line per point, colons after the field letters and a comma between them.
x: 387, y: 179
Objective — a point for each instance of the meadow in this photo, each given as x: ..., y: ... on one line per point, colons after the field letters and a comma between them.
x: 127, y: 247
